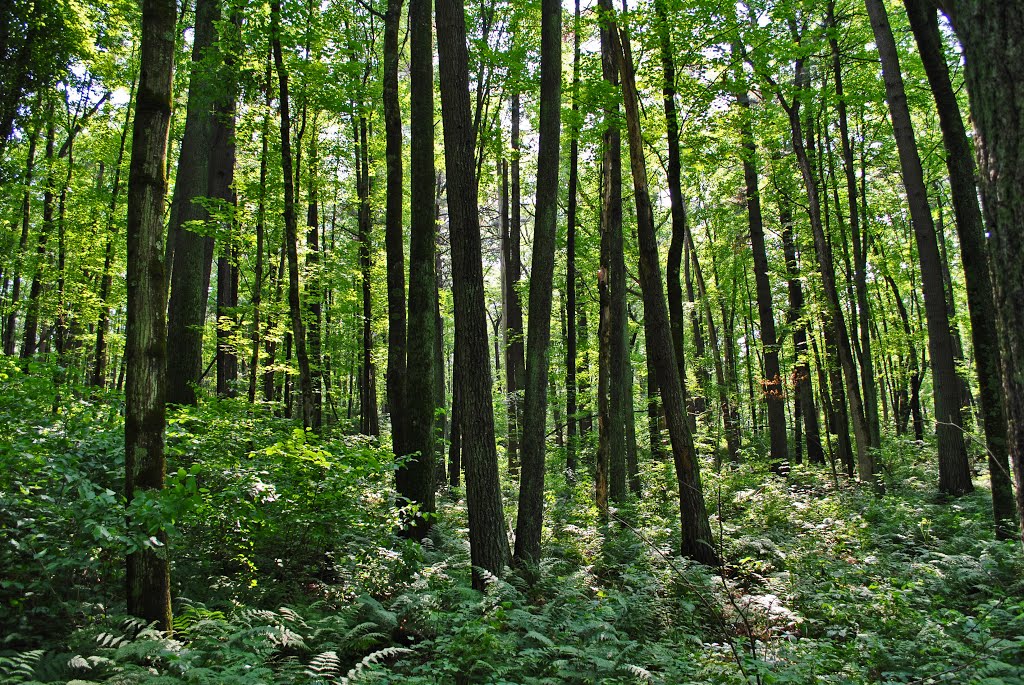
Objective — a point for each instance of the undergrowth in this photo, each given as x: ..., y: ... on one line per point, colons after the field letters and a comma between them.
x: 288, y: 568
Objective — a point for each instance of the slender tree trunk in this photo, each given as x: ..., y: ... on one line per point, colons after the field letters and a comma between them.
x: 489, y: 549
x: 190, y: 255
x: 971, y: 232
x: 26, y: 215
x: 570, y: 260
x: 731, y: 428
x: 516, y: 358
x: 696, y: 540
x: 261, y: 223
x: 99, y: 372
x: 801, y: 368
x: 314, y: 279
x: 531, y: 485
x: 675, y: 191
x: 369, y: 422
x: 394, y: 235
x: 147, y: 577
x: 837, y: 321
x: 612, y: 420
x: 291, y: 226
x: 416, y: 480
x: 771, y: 383
x: 954, y: 467
x: 221, y: 180
x: 35, y: 291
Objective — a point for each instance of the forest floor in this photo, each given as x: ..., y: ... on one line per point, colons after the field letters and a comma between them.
x: 286, y: 568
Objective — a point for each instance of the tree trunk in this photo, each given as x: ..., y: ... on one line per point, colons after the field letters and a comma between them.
x: 26, y: 214
x: 261, y: 223
x: 416, y: 479
x: 696, y: 540
x: 801, y: 368
x: 35, y: 291
x: 837, y: 322
x: 771, y: 383
x: 99, y: 371
x: 190, y: 255
x: 531, y: 484
x: 291, y: 226
x: 954, y: 467
x: 147, y: 578
x: 989, y: 32
x: 570, y: 260
x: 394, y: 235
x: 488, y: 540
x: 612, y: 283
x: 221, y: 187
x: 971, y: 232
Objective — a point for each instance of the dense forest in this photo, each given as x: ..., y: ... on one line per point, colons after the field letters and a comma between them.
x: 676, y: 341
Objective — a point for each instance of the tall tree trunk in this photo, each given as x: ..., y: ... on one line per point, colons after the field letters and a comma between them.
x: 675, y: 191
x: 971, y: 232
x: 954, y: 467
x: 99, y: 371
x: 516, y: 356
x: 190, y: 255
x: 394, y: 234
x: 314, y: 279
x: 771, y: 383
x: 369, y: 422
x: 801, y: 368
x: 570, y: 260
x: 696, y: 540
x: 291, y: 229
x: 26, y: 215
x: 858, y: 230
x: 531, y: 484
x: 35, y: 291
x: 612, y: 283
x: 823, y: 249
x: 989, y: 32
x: 261, y: 225
x: 221, y: 187
x: 488, y: 539
x: 147, y: 577
x: 416, y: 480
x: 731, y: 428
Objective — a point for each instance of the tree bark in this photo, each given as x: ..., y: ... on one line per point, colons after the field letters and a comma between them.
x: 190, y: 254
x: 954, y: 467
x: 416, y: 479
x: 488, y: 540
x: 291, y: 224
x: 696, y: 540
x: 971, y: 232
x: 147, y: 576
x: 531, y: 484
x: 394, y: 238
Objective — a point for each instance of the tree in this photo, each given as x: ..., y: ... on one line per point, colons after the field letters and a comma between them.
x: 971, y: 231
x: 147, y: 576
x: 190, y: 253
x: 291, y: 237
x: 954, y: 468
x: 394, y: 237
x: 531, y: 487
x: 487, y: 536
x: 988, y: 32
x: 416, y: 479
x: 696, y: 540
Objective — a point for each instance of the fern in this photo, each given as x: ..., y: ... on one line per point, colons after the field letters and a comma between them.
x: 20, y: 667
x: 372, y: 659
